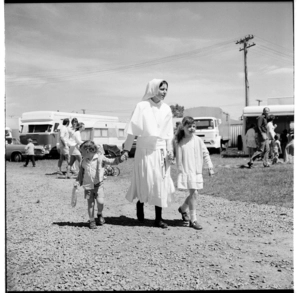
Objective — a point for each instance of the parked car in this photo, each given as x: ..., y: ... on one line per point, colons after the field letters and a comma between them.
x: 133, y: 148
x: 15, y: 151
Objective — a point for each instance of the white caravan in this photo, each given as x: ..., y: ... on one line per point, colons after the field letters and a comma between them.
x: 42, y: 127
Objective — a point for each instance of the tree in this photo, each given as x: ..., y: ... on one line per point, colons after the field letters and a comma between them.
x: 177, y: 110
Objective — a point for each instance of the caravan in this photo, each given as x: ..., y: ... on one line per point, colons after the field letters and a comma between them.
x: 284, y: 116
x: 42, y: 127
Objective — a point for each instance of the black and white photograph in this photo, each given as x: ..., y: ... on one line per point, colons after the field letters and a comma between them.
x: 149, y: 146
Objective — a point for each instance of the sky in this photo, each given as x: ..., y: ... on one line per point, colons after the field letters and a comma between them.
x: 97, y: 58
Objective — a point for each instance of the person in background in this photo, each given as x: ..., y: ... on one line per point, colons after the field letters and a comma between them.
x: 289, y: 150
x: 264, y: 145
x: 63, y: 145
x: 251, y: 140
x: 90, y: 176
x: 276, y: 149
x: 72, y: 144
x: 75, y: 153
x: 271, y: 134
x: 283, y: 141
x: 29, y: 151
x: 152, y: 122
x: 190, y: 153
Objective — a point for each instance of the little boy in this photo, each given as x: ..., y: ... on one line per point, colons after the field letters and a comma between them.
x: 90, y: 177
x: 276, y: 149
x: 29, y: 151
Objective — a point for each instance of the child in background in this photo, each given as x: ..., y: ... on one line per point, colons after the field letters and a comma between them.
x: 276, y: 149
x: 90, y: 176
x: 29, y: 151
x: 190, y: 153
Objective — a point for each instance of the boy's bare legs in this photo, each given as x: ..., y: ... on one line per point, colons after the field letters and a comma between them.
x: 100, y: 206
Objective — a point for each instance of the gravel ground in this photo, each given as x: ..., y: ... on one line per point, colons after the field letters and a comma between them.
x: 50, y: 247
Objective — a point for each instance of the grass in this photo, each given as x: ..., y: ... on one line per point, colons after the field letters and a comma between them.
x: 271, y: 186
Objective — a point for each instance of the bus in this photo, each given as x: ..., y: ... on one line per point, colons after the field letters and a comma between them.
x: 43, y: 126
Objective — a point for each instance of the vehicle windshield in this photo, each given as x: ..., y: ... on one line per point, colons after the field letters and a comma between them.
x: 39, y: 128
x: 204, y: 124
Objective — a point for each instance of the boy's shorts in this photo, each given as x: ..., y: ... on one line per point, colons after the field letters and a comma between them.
x: 98, y: 191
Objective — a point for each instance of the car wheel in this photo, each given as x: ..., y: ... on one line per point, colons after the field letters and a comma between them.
x: 16, y: 157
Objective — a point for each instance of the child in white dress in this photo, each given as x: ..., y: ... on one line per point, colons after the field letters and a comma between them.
x: 190, y: 153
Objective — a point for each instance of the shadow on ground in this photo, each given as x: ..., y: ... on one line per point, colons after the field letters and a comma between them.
x: 121, y: 221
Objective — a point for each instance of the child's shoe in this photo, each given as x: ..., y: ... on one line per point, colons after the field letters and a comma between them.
x: 93, y: 225
x: 100, y: 220
x: 160, y: 224
x: 185, y: 217
x: 195, y: 225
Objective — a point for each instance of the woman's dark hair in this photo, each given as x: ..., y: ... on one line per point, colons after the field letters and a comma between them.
x: 163, y: 82
x: 276, y: 137
x: 66, y: 121
x: 74, y: 120
x: 271, y: 118
x: 187, y: 120
x: 79, y: 125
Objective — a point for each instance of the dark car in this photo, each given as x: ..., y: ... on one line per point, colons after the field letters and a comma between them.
x: 132, y: 151
x: 15, y: 151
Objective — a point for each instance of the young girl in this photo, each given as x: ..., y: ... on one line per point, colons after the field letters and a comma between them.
x: 90, y: 176
x: 190, y: 152
x: 276, y: 149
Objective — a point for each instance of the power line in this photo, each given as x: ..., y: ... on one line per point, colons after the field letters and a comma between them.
x: 84, y: 74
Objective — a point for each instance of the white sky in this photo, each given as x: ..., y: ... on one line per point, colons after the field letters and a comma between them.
x: 74, y: 56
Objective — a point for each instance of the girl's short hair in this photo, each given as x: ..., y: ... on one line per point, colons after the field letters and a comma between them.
x: 187, y: 120
x: 79, y: 125
x: 89, y: 145
x: 74, y: 120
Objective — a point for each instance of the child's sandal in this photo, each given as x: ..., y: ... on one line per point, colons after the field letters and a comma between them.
x: 100, y: 220
x: 195, y: 225
x: 185, y: 217
x: 93, y: 225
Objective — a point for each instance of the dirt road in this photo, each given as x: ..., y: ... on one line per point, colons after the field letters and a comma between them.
x: 50, y: 247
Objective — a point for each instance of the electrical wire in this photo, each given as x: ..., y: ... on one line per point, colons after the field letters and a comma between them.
x: 204, y: 51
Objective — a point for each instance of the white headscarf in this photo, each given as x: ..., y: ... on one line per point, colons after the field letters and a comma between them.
x: 152, y: 89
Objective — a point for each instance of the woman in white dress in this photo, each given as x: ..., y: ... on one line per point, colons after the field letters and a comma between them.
x: 75, y: 152
x: 152, y: 123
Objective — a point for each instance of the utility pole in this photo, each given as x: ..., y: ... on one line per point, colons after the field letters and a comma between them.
x: 246, y: 46
x: 259, y: 102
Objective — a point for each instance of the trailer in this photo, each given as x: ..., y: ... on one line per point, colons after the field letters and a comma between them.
x: 212, y: 125
x: 284, y: 116
x: 43, y: 126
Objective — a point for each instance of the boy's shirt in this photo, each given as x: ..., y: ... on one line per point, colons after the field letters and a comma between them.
x: 29, y: 149
x: 91, y: 172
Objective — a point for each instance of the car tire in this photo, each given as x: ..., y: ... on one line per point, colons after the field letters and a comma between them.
x: 16, y: 157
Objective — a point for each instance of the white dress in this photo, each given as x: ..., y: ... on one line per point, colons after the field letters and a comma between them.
x: 151, y: 181
x: 191, y: 154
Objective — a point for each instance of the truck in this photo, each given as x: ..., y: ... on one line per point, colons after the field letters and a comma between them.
x: 284, y: 116
x: 212, y: 125
x: 43, y: 126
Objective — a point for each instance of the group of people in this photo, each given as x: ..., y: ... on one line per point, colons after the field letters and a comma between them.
x: 156, y: 149
x: 263, y: 141
x: 69, y: 142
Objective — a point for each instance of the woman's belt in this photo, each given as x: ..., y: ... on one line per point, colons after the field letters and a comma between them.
x: 150, y: 143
